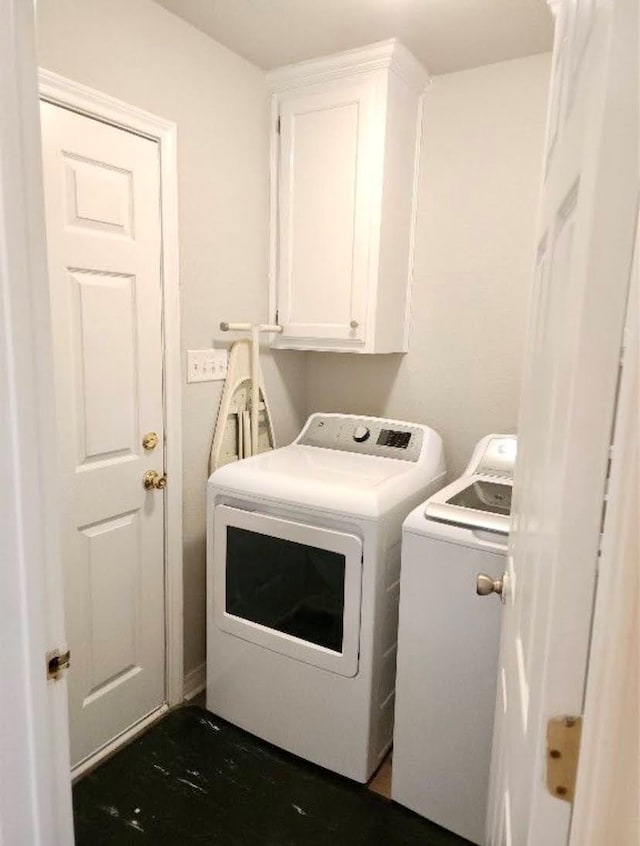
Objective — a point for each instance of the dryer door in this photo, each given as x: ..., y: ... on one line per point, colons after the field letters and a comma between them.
x: 288, y: 587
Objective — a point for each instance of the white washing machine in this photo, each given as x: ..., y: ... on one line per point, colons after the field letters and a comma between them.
x: 448, y: 642
x: 303, y: 568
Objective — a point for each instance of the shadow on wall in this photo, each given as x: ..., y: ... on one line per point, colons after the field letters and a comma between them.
x: 195, y: 599
x: 285, y: 376
x: 360, y: 372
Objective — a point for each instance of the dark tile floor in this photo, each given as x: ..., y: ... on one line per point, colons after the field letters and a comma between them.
x: 194, y: 779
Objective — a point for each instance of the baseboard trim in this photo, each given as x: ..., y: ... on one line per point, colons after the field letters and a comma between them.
x: 195, y: 682
x: 113, y: 745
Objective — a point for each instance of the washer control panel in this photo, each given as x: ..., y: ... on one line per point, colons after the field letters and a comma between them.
x: 364, y: 435
x: 498, y: 458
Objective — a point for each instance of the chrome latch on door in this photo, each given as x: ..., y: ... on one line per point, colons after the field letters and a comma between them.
x: 57, y: 664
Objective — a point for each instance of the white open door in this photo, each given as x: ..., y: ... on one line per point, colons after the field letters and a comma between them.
x: 585, y: 244
x: 607, y: 806
x: 35, y: 785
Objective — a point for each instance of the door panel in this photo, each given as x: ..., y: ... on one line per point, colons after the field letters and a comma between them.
x: 112, y: 550
x: 102, y: 317
x: 570, y: 379
x: 102, y: 193
x: 324, y: 211
x: 98, y: 196
x: 323, y: 192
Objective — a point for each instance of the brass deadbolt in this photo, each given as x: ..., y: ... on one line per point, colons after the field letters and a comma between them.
x: 150, y: 440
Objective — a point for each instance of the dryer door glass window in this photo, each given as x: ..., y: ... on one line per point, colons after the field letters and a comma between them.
x: 286, y: 586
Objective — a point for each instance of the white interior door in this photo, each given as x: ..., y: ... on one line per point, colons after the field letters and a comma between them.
x: 102, y: 195
x: 324, y: 204
x: 585, y: 246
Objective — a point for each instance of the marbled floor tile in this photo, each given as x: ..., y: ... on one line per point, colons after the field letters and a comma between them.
x: 193, y: 779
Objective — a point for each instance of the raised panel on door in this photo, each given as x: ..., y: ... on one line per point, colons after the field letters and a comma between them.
x: 102, y: 317
x: 325, y: 185
x: 102, y: 193
x: 110, y: 561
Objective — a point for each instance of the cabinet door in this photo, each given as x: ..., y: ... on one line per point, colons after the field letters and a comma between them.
x: 326, y: 195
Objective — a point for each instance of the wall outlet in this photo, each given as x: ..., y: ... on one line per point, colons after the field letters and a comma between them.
x: 207, y: 365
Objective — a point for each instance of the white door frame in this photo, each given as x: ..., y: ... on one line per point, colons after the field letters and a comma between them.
x: 60, y: 91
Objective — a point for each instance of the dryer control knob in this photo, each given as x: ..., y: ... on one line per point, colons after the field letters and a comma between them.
x: 361, y: 433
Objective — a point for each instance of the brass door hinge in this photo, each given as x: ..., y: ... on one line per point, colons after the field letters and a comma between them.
x: 563, y: 751
x: 57, y: 664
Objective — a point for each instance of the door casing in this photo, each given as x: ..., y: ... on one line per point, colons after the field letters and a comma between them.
x: 63, y: 92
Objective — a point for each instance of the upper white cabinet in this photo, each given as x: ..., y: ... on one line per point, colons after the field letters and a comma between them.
x: 346, y: 137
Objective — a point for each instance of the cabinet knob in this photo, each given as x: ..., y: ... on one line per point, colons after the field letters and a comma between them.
x: 354, y: 324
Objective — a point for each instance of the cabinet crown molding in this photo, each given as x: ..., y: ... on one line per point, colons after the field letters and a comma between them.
x: 384, y: 55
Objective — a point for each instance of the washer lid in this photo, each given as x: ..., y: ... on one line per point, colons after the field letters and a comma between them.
x: 475, y: 502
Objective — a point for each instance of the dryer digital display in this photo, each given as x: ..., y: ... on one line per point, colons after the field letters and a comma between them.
x: 393, y: 438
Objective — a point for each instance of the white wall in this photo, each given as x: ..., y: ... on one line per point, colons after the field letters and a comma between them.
x: 138, y: 52
x: 479, y: 182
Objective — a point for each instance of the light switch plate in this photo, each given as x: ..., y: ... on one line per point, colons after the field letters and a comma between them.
x: 206, y: 365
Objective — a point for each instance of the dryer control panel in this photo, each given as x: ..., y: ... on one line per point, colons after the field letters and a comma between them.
x: 364, y: 435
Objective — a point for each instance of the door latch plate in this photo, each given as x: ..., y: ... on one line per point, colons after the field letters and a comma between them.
x: 57, y: 664
x: 563, y: 748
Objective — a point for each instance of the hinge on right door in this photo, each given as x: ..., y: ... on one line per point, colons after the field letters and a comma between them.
x: 278, y: 124
x: 563, y: 752
x: 57, y: 664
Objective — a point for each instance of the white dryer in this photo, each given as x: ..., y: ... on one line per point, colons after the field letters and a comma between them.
x: 303, y: 568
x: 453, y: 548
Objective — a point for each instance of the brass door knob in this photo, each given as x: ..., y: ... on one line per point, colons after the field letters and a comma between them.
x: 152, y: 480
x: 354, y: 324
x: 486, y: 585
